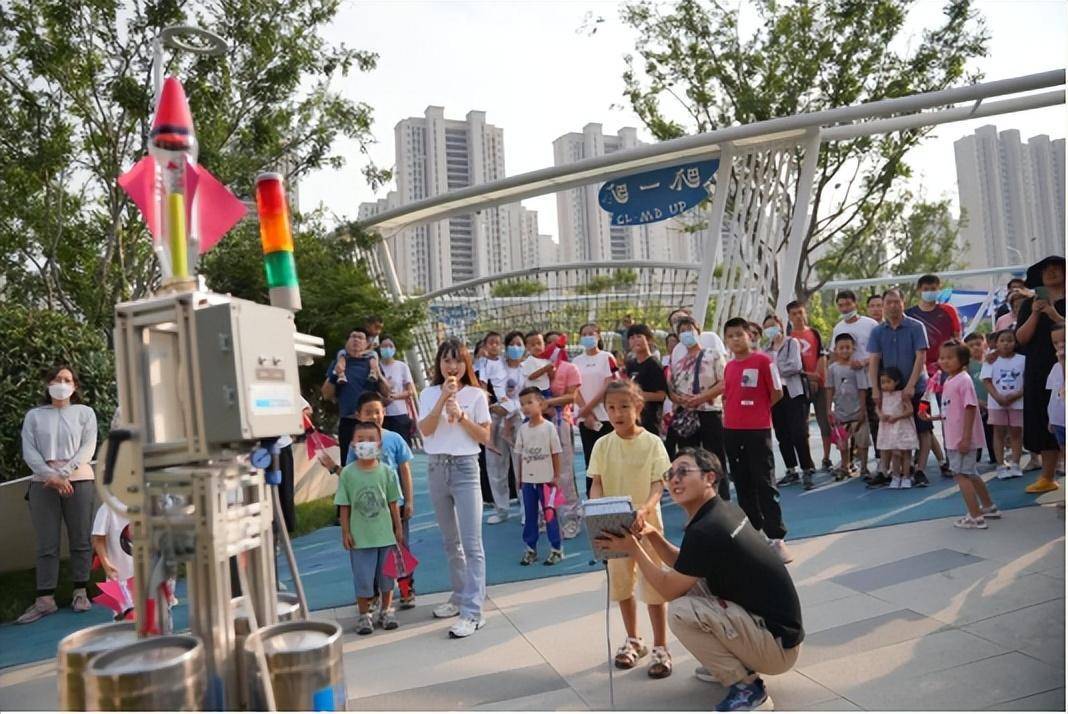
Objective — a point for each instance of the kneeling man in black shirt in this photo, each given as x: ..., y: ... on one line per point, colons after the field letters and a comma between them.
x: 732, y: 604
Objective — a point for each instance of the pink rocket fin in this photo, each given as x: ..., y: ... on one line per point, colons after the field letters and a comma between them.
x: 139, y: 184
x: 219, y: 208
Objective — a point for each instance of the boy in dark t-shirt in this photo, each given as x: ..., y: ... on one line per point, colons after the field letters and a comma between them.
x: 644, y: 370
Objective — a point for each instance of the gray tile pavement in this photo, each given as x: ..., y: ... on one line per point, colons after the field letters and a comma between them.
x: 914, y: 616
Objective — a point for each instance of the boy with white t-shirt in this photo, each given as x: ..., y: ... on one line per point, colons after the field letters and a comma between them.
x: 1055, y: 385
x: 538, y: 447
x: 112, y: 544
x: 537, y: 372
x: 1004, y: 380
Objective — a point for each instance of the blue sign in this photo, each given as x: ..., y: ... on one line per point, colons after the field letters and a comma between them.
x: 455, y: 316
x: 657, y: 195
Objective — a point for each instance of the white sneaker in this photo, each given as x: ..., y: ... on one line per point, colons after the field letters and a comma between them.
x: 42, y: 606
x: 496, y: 518
x: 1015, y: 471
x: 906, y: 482
x: 446, y: 609
x: 1002, y: 472
x: 80, y: 602
x: 467, y: 627
x: 991, y: 512
x: 784, y: 553
x: 704, y: 675
x: 895, y: 482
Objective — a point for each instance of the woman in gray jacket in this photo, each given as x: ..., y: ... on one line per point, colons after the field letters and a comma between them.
x: 789, y: 416
x: 58, y: 443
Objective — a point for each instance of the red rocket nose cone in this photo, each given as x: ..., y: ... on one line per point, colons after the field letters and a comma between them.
x: 172, y: 112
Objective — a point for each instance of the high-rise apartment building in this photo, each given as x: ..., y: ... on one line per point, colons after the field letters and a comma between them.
x: 435, y: 155
x: 586, y: 231
x: 1012, y: 196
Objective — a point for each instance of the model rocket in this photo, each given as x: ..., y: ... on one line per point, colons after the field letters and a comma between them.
x: 186, y: 208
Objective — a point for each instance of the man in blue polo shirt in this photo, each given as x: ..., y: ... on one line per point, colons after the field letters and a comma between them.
x: 353, y: 372
x: 901, y: 341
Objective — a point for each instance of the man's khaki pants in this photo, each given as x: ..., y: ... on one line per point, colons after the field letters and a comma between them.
x: 726, y: 639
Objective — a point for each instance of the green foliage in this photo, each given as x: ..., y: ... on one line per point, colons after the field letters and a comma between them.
x: 517, y: 288
x: 76, y: 91
x: 618, y: 280
x: 336, y: 290
x: 918, y: 236
x: 694, y: 70
x: 34, y: 341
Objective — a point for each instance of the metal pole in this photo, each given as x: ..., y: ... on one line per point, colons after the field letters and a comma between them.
x: 715, y: 227
x: 790, y: 266
x: 389, y: 271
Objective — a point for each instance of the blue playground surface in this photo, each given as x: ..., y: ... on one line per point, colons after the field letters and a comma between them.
x: 829, y: 508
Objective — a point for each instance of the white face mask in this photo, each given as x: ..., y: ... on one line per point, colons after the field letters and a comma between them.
x: 849, y: 315
x: 60, y: 390
x: 366, y: 450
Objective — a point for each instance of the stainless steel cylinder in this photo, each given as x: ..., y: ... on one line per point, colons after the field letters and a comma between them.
x: 304, y: 659
x: 154, y: 674
x: 288, y: 608
x: 75, y: 651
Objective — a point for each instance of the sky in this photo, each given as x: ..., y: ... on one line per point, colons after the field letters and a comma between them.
x: 538, y: 75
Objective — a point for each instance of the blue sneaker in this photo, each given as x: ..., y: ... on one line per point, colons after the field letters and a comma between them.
x: 746, y: 698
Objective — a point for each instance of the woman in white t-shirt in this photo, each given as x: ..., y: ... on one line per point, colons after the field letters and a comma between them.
x: 505, y: 377
x: 401, y: 389
x: 597, y: 368
x: 454, y: 420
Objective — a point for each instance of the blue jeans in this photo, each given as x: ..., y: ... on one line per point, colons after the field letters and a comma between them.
x: 534, y: 494
x: 456, y: 495
x: 367, y: 576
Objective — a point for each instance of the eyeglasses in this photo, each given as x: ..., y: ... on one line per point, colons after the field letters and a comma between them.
x: 679, y: 472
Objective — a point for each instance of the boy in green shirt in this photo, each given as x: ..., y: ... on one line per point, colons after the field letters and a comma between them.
x: 367, y: 493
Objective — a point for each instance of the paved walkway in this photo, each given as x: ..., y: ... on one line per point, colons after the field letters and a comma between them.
x: 911, y: 616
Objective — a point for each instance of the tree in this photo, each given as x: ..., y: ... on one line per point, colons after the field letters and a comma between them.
x: 694, y: 71
x: 517, y: 288
x: 75, y: 85
x: 919, y: 237
x: 34, y: 340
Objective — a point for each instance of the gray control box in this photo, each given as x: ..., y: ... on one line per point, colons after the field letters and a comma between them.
x: 248, y: 371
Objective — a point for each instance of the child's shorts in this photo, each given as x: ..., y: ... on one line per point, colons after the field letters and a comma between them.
x: 367, y: 569
x: 962, y: 463
x: 623, y: 573
x: 1005, y: 417
x: 1058, y: 431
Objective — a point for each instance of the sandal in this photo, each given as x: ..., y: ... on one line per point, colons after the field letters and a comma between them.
x: 661, y: 664
x: 630, y: 652
x: 969, y: 523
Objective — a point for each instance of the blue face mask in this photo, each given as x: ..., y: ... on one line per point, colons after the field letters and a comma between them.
x: 688, y: 338
x: 515, y: 352
x: 772, y: 332
x: 388, y: 352
x: 929, y: 295
x: 588, y: 341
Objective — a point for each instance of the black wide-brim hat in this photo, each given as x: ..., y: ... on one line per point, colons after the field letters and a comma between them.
x: 1034, y: 273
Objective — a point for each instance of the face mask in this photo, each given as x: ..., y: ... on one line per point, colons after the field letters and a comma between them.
x: 588, y: 341
x: 688, y: 338
x: 515, y: 352
x: 772, y: 332
x: 388, y: 352
x: 366, y: 450
x: 929, y: 295
x: 60, y: 390
x: 849, y: 315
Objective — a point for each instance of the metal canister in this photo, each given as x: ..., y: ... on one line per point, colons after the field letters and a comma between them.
x: 165, y: 673
x: 288, y: 607
x: 304, y: 659
x: 76, y: 649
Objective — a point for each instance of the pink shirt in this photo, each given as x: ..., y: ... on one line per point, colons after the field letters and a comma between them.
x: 567, y: 377
x: 958, y: 394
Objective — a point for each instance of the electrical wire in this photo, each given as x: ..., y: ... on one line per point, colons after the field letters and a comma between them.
x: 608, y: 637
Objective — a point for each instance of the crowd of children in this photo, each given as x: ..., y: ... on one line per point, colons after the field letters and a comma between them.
x: 510, y: 411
